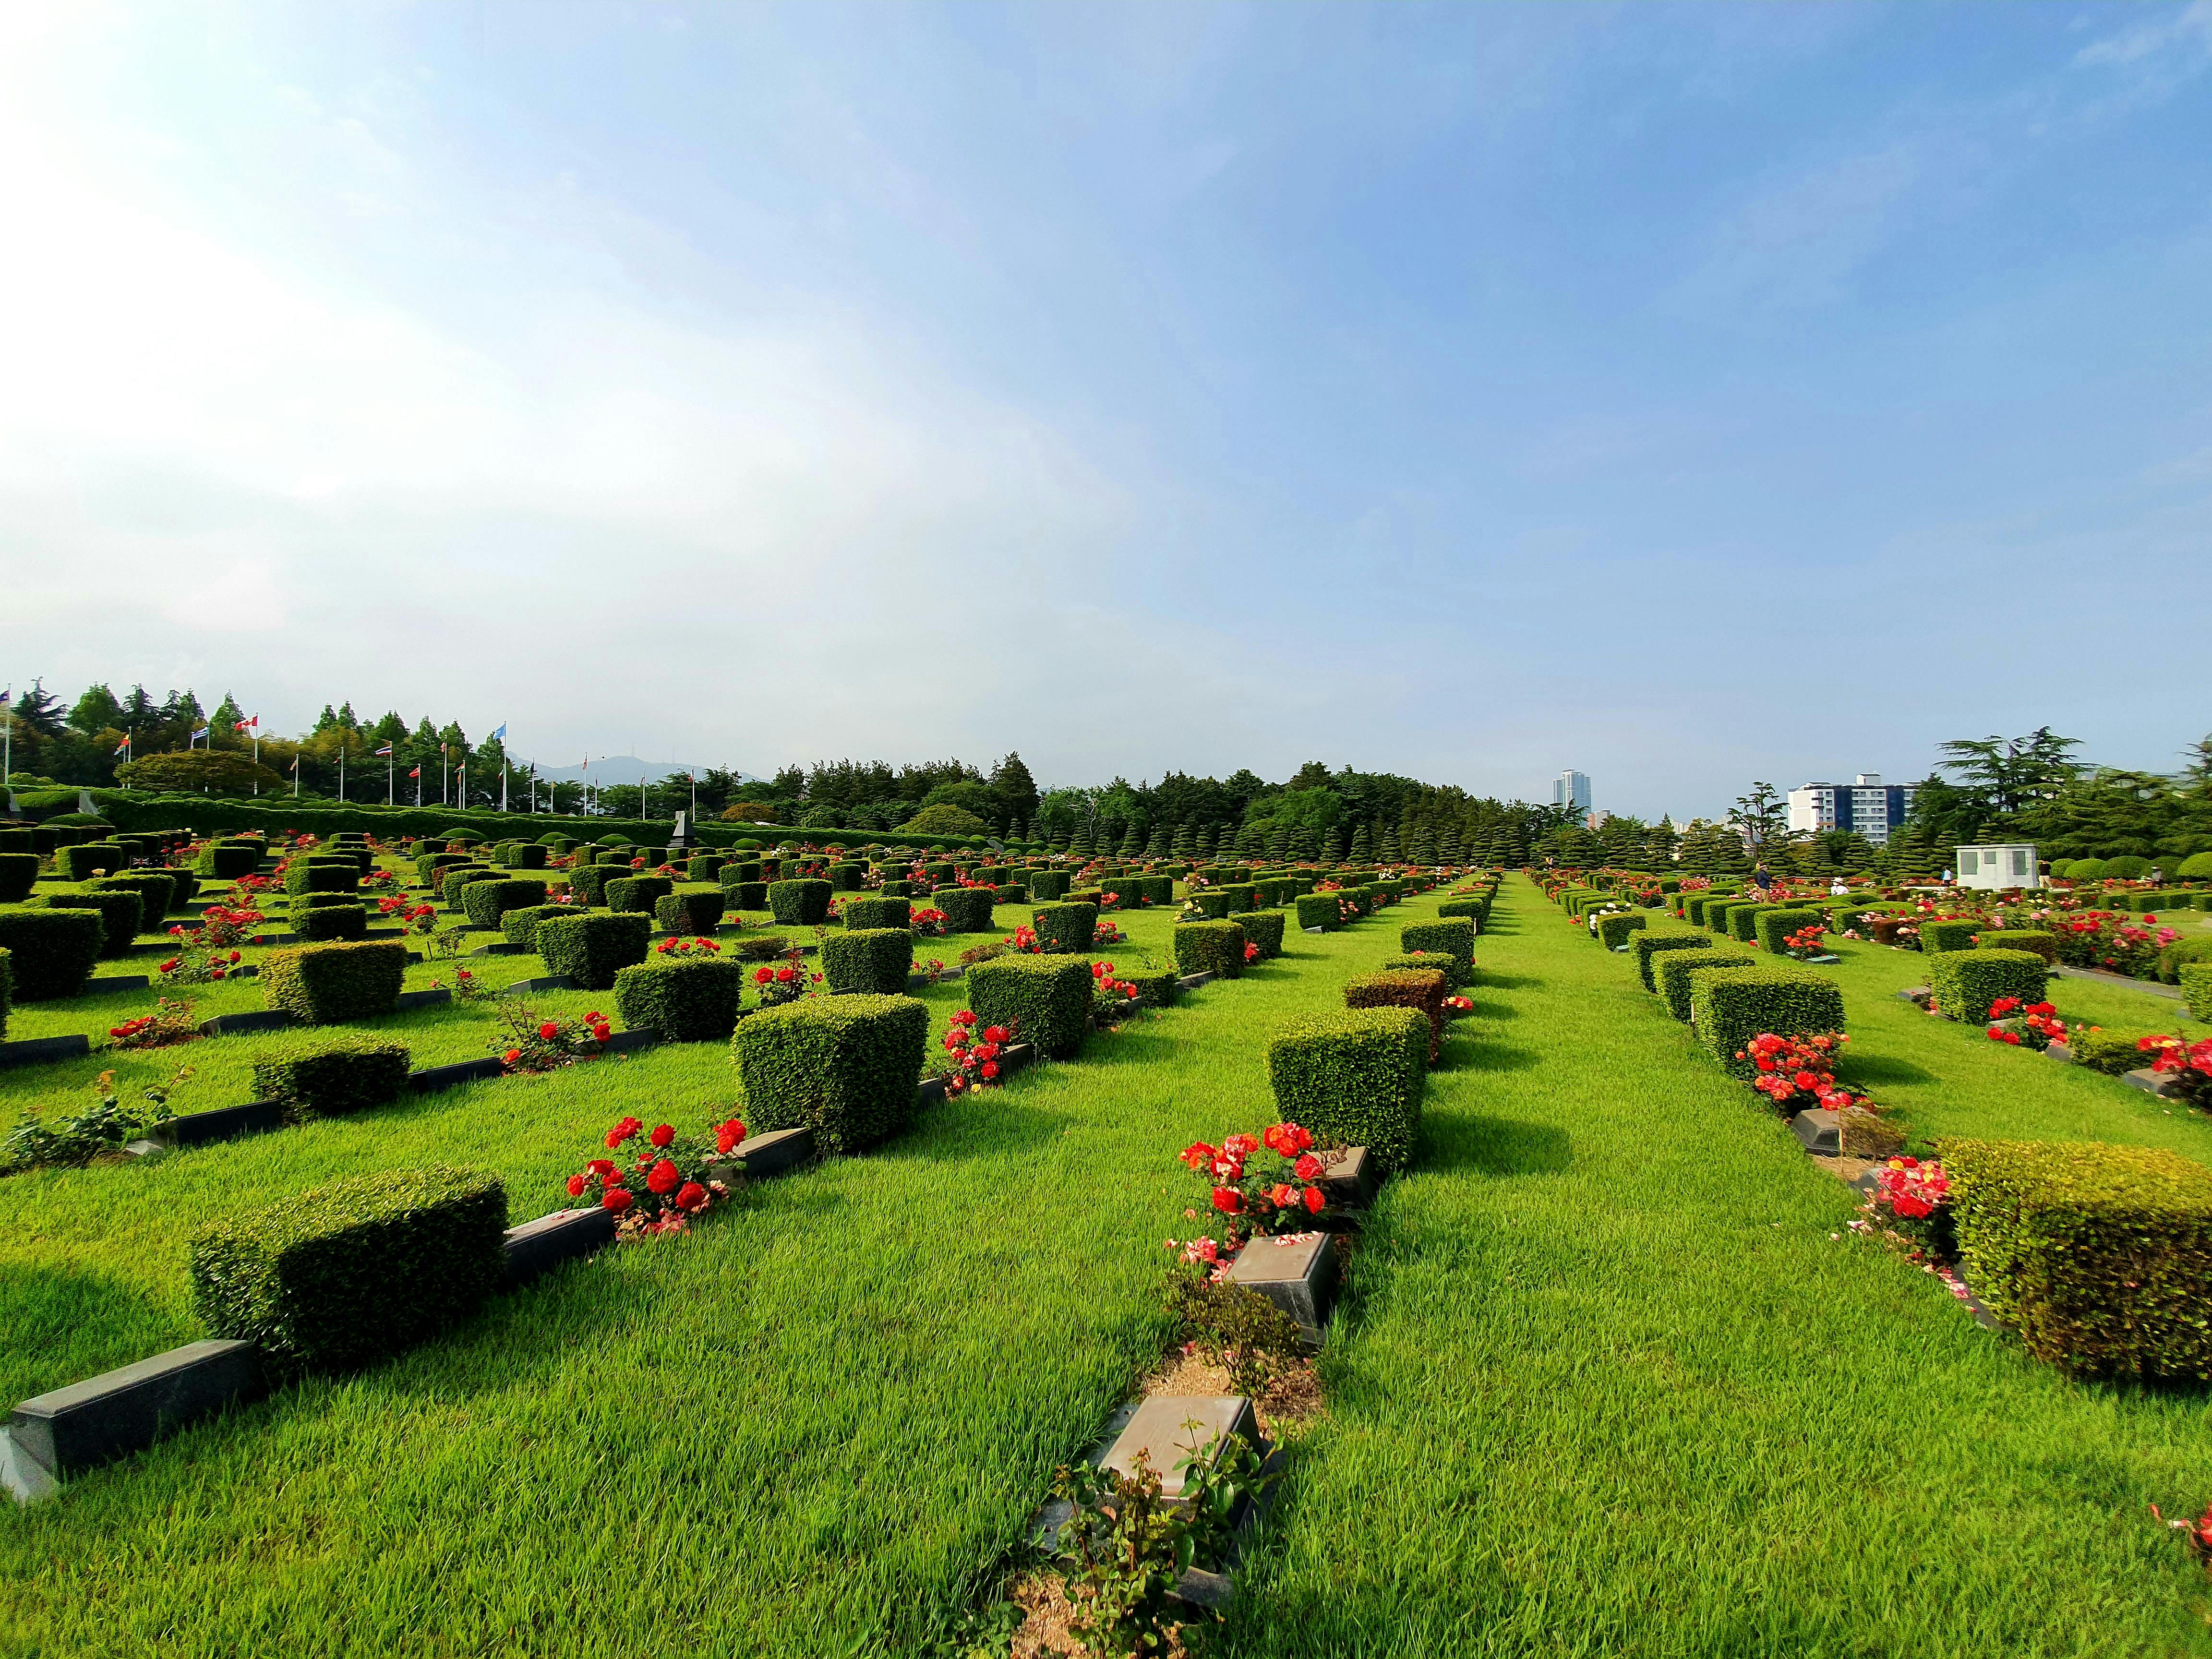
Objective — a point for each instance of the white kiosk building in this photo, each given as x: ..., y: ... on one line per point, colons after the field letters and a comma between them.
x: 1997, y: 867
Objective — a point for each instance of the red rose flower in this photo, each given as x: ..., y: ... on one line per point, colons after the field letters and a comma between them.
x: 601, y: 1168
x: 1308, y: 1168
x: 576, y: 1185
x: 616, y: 1199
x: 548, y: 1031
x: 663, y: 1178
x: 1198, y: 1155
x: 1228, y: 1199
x: 513, y: 1055
x: 663, y: 1134
x: 1316, y: 1200
x: 727, y: 1135
x: 990, y: 1069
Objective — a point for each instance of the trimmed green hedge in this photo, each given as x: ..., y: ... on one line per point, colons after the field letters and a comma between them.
x: 1966, y: 982
x: 874, y: 960
x: 1047, y: 885
x: 967, y: 909
x: 1772, y: 928
x: 521, y: 856
x: 1615, y: 930
x: 848, y: 1068
x: 685, y: 999
x: 122, y: 914
x: 320, y: 922
x: 1937, y: 937
x: 1157, y: 987
x: 2196, y: 980
x: 221, y: 862
x: 2100, y: 1256
x: 1673, y: 973
x: 1476, y: 910
x: 1420, y: 988
x: 347, y: 1274
x: 1210, y: 947
x: 1065, y: 929
x: 638, y: 894
x: 1319, y: 910
x: 800, y: 903
x: 485, y: 902
x: 2110, y: 1049
x: 1729, y: 1007
x: 157, y: 893
x: 327, y: 873
x: 52, y: 951
x: 1354, y: 1078
x: 592, y: 946
x: 18, y: 873
x: 1454, y: 938
x: 1042, y: 999
x: 520, y: 927
x: 2022, y: 939
x: 454, y: 877
x: 751, y: 896
x: 331, y: 1077
x: 1263, y: 928
x: 706, y: 867
x: 88, y: 858
x: 697, y: 910
x: 331, y: 984
x: 1743, y: 920
x: 868, y: 911
x: 1649, y: 944
x: 846, y: 878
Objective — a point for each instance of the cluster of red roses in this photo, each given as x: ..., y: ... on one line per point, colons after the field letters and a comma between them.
x: 1793, y: 1070
x: 2040, y: 1025
x: 929, y: 922
x: 673, y: 946
x: 170, y: 1022
x: 785, y: 984
x: 1025, y: 938
x: 219, y: 927
x: 975, y: 1058
x: 1805, y: 942
x: 551, y: 1042
x: 194, y: 966
x: 2188, y: 1065
x: 420, y: 918
x: 1261, y: 1199
x: 1104, y: 984
x: 669, y: 1194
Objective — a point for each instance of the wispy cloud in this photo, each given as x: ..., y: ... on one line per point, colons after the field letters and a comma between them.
x: 1801, y: 238
x: 2180, y: 37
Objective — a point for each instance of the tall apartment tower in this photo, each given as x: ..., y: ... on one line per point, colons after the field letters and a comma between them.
x: 1875, y: 808
x: 1571, y: 791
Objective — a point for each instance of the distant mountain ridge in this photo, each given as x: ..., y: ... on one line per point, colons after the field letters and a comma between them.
x: 622, y: 768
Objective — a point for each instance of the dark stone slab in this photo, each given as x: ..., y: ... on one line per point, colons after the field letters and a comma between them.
x: 125, y: 1411
x: 223, y: 1123
x: 2103, y: 978
x: 1349, y: 1177
x: 100, y: 982
x: 1817, y: 1132
x: 31, y: 1050
x: 260, y: 1019
x: 628, y: 1042
x: 1192, y: 981
x: 435, y: 1078
x: 537, y: 1246
x: 2058, y: 1051
x: 430, y: 999
x: 543, y: 983
x: 2150, y: 1082
x: 504, y: 948
x: 1297, y: 1273
x: 1915, y: 994
x: 768, y: 1154
x: 274, y: 938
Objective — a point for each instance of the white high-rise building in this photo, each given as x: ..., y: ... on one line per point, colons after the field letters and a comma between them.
x: 1571, y: 791
x: 1867, y: 805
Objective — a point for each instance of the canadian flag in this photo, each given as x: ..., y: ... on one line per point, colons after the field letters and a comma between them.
x: 416, y: 773
x: 242, y: 726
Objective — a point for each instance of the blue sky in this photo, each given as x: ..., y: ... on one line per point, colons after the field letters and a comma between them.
x: 1684, y: 395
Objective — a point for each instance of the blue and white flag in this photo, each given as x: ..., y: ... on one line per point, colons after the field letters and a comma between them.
x: 497, y: 735
x: 198, y: 735
x: 6, y: 696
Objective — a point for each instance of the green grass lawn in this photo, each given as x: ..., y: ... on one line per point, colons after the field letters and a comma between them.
x: 1618, y: 1379
x: 812, y: 1426
x: 1613, y: 1376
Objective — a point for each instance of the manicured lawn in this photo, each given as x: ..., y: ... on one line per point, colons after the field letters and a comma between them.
x: 810, y: 1427
x: 1612, y: 1383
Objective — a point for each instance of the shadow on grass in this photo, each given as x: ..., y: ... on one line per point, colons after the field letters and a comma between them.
x: 1493, y: 1145
x: 1486, y: 979
x: 1876, y: 1068
x: 42, y: 1309
x: 1486, y: 1054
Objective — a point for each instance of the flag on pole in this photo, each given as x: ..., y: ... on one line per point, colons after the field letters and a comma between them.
x: 497, y: 735
x: 295, y: 762
x: 6, y: 696
x: 202, y: 733
x: 385, y: 750
x: 416, y: 773
x: 242, y: 726
x: 123, y: 745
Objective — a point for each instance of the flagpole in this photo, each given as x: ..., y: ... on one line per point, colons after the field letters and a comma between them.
x: 392, y: 776
x: 342, y: 749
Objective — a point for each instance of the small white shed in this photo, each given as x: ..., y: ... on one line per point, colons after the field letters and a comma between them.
x: 1996, y: 867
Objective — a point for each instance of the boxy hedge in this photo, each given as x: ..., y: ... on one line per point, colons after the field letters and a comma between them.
x: 1454, y: 938
x: 967, y: 909
x: 798, y: 903
x: 51, y: 953
x: 331, y: 1077
x: 1615, y: 929
x: 1210, y: 947
x: 1731, y: 1006
x: 1354, y: 1078
x: 1965, y: 983
x: 348, y: 1273
x: 485, y: 902
x: 1263, y: 928
x: 846, y: 1067
x: 1065, y: 928
x: 1937, y: 937
x: 874, y: 960
x: 1673, y: 973
x: 1646, y: 945
x: 592, y: 946
x: 866, y: 910
x: 121, y: 914
x: 638, y: 894
x: 1042, y: 999
x: 1421, y: 989
x: 1773, y: 927
x: 520, y: 927
x: 684, y: 999
x: 331, y: 984
x: 694, y: 910
x: 322, y: 922
x: 2100, y: 1256
x: 1321, y: 911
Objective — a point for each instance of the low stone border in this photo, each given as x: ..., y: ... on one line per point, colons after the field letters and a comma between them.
x: 31, y: 1051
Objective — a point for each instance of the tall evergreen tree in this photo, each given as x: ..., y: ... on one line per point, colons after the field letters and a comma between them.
x: 96, y: 711
x: 1363, y: 844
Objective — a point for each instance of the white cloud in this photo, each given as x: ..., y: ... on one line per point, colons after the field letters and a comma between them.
x: 2185, y: 32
